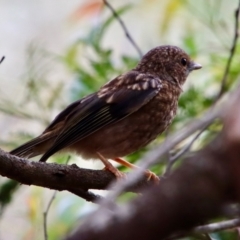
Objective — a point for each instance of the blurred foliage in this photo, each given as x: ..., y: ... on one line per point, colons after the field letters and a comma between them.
x: 92, y: 65
x: 6, y: 193
x: 226, y: 235
x: 100, y: 60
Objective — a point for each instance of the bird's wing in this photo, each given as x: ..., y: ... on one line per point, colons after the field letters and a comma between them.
x: 61, y: 117
x: 116, y: 100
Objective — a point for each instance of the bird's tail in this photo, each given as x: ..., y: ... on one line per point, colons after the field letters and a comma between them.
x: 34, y: 147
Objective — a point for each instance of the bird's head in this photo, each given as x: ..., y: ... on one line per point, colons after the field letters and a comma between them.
x: 169, y: 63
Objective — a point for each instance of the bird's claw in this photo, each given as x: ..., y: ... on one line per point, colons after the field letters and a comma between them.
x: 118, y: 174
x: 152, y: 176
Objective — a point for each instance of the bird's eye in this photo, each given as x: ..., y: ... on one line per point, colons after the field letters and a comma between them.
x: 184, y: 61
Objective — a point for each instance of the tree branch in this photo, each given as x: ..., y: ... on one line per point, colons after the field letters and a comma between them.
x: 59, y: 176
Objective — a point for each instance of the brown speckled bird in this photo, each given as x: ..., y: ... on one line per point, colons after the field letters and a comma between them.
x: 123, y: 116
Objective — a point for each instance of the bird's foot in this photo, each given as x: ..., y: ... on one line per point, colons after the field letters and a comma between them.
x: 152, y: 176
x: 110, y: 167
x: 115, y: 171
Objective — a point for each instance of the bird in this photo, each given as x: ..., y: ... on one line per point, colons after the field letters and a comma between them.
x: 123, y: 116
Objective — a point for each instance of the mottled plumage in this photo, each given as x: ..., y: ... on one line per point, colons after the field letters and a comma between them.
x: 123, y: 116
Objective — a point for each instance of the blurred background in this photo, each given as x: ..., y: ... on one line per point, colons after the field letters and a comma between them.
x: 59, y: 51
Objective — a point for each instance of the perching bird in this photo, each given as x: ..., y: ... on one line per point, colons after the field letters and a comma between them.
x: 123, y: 116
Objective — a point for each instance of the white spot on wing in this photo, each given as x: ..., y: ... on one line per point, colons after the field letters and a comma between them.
x: 136, y: 86
x: 145, y: 85
x: 110, y: 99
x: 139, y: 76
x: 153, y: 83
x: 103, y: 92
x: 120, y: 80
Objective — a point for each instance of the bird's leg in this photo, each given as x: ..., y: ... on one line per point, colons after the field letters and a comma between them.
x: 110, y: 167
x: 148, y: 173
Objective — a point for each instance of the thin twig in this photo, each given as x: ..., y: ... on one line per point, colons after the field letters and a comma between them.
x: 45, y: 215
x: 2, y: 59
x: 215, y: 227
x: 168, y: 155
x: 181, y: 152
x: 129, y: 37
x: 232, y: 53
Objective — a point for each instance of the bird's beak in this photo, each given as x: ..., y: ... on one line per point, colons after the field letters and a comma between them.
x: 195, y: 66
